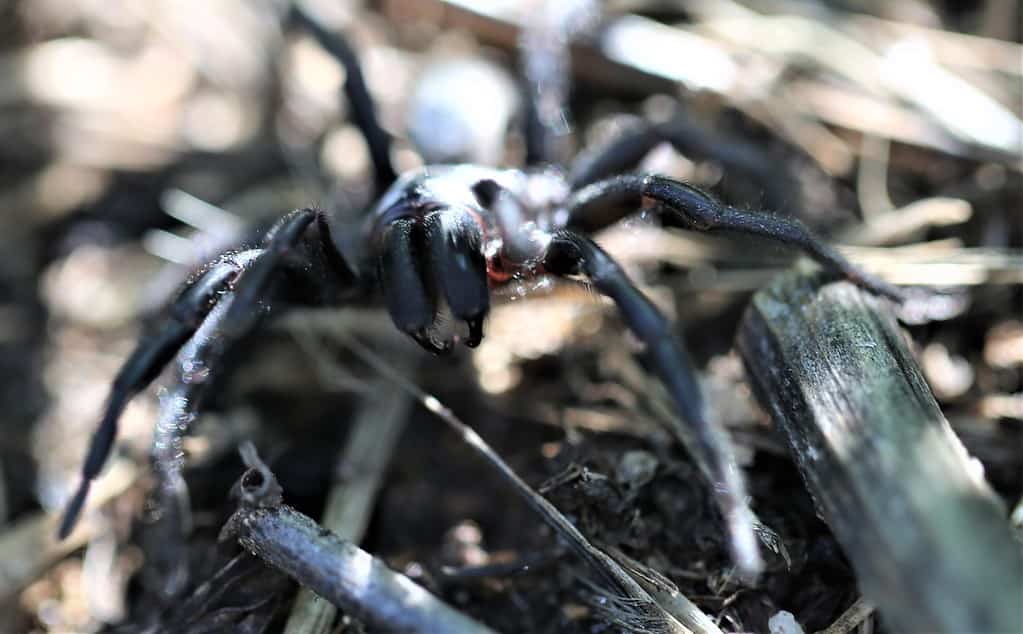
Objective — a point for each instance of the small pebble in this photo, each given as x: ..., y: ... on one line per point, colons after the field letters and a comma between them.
x: 784, y: 623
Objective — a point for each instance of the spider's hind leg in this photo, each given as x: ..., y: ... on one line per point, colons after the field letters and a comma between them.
x: 363, y: 110
x: 573, y: 254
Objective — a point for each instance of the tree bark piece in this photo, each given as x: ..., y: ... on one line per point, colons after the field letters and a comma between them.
x: 929, y: 540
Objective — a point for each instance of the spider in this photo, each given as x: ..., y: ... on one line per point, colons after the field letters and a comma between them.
x: 441, y: 239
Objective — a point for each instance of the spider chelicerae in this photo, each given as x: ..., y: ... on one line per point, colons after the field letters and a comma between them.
x: 441, y: 238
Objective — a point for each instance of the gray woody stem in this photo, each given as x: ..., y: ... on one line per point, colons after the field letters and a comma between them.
x: 927, y: 537
x: 334, y: 568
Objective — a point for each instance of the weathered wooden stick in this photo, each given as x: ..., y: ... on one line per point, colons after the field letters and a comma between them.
x: 332, y: 567
x: 928, y: 539
x: 350, y: 502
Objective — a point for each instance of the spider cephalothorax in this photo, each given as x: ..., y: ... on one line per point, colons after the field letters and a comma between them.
x: 441, y: 239
x: 452, y: 232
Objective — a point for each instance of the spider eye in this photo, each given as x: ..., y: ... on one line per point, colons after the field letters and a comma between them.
x: 486, y: 192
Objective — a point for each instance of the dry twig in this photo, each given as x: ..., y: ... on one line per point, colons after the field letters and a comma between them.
x: 334, y: 568
x: 359, y: 473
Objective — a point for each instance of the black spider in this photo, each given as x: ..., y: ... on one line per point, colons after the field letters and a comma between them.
x: 447, y: 235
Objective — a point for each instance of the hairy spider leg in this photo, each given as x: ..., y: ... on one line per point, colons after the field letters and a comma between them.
x: 624, y: 152
x: 285, y: 245
x: 189, y: 313
x: 151, y: 354
x: 300, y: 246
x: 570, y: 253
x: 169, y: 521
x: 679, y: 205
x: 363, y: 110
x: 195, y: 370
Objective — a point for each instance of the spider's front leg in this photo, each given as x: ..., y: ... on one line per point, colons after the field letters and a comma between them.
x: 605, y: 202
x: 152, y: 353
x: 572, y: 254
x: 221, y: 305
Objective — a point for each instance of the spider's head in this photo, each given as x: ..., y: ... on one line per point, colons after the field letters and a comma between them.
x: 520, y: 237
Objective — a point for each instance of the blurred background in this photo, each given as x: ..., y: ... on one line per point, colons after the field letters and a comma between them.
x: 138, y: 139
